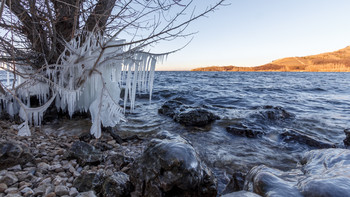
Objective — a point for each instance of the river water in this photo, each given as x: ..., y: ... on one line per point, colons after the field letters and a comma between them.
x: 318, y: 102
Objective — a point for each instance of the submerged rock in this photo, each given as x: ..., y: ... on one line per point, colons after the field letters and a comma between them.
x: 292, y: 135
x: 272, y: 113
x: 171, y: 167
x: 324, y: 172
x: 347, y: 139
x: 187, y: 115
x: 244, y: 131
x: 85, y: 153
x: 13, y: 153
x: 236, y: 183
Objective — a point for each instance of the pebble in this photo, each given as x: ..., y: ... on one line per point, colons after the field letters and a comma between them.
x: 3, y: 187
x: 87, y: 194
x: 11, y: 190
x: 73, y: 191
x: 15, y: 168
x: 51, y: 194
x: 9, y: 179
x: 61, y: 190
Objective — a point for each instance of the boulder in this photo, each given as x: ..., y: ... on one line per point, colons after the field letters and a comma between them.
x: 187, y: 115
x: 171, y: 167
x: 85, y: 153
x: 324, y: 172
x: 271, y: 113
x: 89, y: 181
x: 14, y: 153
x: 291, y: 135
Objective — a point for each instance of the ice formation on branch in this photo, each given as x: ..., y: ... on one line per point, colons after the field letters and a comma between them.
x: 88, y: 77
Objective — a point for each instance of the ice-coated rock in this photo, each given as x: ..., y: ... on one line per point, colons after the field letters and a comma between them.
x: 171, y: 166
x: 116, y: 185
x: 324, y: 172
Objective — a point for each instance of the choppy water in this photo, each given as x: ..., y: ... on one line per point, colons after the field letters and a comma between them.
x: 320, y: 103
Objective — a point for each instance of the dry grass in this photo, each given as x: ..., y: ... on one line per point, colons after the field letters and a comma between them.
x: 338, y: 61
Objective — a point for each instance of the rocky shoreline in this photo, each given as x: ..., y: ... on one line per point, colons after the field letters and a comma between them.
x: 160, y: 164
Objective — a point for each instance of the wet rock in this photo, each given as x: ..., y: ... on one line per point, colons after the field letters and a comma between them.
x: 187, y: 115
x: 236, y: 183
x: 347, y: 139
x: 116, y: 185
x: 86, y: 137
x: 244, y: 131
x: 171, y: 166
x: 324, y: 172
x: 85, y: 153
x: 241, y: 194
x: 272, y: 113
x: 170, y: 108
x: 291, y: 135
x: 195, y: 117
x: 13, y: 153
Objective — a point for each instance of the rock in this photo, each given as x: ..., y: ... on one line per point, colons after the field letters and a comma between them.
x: 15, y: 168
x: 89, y: 181
x: 347, y: 139
x: 171, y: 166
x: 87, y: 194
x: 241, y: 194
x: 170, y: 108
x: 116, y: 185
x: 27, y: 191
x: 73, y: 191
x: 271, y: 113
x: 61, y: 190
x: 11, y: 190
x: 244, y: 131
x: 85, y: 153
x: 3, y: 187
x: 186, y: 115
x: 195, y: 117
x: 291, y: 135
x: 51, y: 194
x: 13, y: 195
x: 9, y: 178
x: 13, y: 153
x: 324, y: 172
x: 236, y: 183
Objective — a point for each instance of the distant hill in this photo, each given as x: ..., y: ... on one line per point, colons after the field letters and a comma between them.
x: 337, y: 61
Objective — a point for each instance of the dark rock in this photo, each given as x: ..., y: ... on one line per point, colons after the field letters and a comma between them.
x: 89, y: 181
x: 86, y: 137
x: 171, y: 167
x: 272, y: 113
x: 170, y: 108
x: 324, y: 172
x: 186, y: 115
x: 85, y: 153
x: 119, y: 160
x: 291, y: 135
x: 195, y: 117
x: 347, y: 139
x: 116, y: 185
x: 13, y: 153
x: 244, y: 131
x: 236, y: 183
x: 103, y: 146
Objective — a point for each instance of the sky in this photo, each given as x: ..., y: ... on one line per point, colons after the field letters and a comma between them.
x: 256, y: 32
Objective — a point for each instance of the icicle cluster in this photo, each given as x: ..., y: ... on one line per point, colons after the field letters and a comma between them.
x: 88, y: 77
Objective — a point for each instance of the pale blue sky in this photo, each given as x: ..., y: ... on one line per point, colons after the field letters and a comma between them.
x: 255, y: 32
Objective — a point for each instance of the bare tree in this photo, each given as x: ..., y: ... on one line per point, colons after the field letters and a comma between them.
x: 59, y: 50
